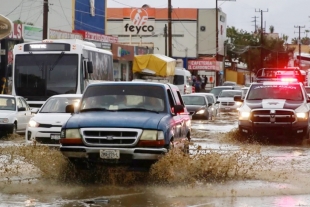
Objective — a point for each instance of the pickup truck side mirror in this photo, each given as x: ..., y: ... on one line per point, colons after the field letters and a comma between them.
x: 238, y: 98
x: 70, y: 108
x: 21, y: 109
x: 178, y: 109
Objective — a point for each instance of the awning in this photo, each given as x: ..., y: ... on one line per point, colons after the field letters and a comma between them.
x: 162, y: 65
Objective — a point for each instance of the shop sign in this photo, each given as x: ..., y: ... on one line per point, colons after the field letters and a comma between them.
x: 100, y: 37
x: 58, y: 34
x: 139, y: 23
x: 5, y: 27
x: 32, y: 33
x: 121, y: 52
x: 17, y: 32
x: 202, y: 65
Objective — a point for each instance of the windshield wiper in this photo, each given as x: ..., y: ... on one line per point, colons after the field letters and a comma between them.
x: 57, y: 60
x: 95, y: 109
x: 137, y: 109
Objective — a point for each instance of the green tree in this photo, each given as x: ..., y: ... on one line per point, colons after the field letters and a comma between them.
x: 246, y: 47
x: 294, y: 41
x: 271, y: 29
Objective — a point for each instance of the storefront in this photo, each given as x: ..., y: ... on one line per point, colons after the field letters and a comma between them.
x: 6, y: 51
x: 122, y: 61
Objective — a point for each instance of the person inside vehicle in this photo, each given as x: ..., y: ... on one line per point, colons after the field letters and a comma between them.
x: 9, y: 104
x: 153, y: 103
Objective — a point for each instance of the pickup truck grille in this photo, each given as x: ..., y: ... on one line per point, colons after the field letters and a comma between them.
x: 110, y: 136
x: 227, y: 103
x: 273, y: 116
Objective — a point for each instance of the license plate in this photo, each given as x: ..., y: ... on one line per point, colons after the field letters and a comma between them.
x: 55, y: 136
x: 109, y: 154
x: 227, y: 109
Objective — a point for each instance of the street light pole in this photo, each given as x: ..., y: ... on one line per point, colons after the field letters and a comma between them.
x: 45, y: 18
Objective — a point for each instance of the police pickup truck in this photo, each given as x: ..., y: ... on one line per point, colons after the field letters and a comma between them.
x: 277, y: 103
x: 132, y: 123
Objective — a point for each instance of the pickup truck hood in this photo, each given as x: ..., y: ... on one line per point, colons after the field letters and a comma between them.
x: 273, y: 104
x: 121, y: 119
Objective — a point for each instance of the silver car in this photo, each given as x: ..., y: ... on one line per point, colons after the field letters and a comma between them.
x: 15, y: 114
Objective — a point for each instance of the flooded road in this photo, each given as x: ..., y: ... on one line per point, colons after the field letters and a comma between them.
x: 224, y: 169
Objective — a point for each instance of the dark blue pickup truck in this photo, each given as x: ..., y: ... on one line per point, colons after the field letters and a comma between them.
x: 125, y: 123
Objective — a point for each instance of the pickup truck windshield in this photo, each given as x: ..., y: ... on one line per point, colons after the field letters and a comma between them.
x: 288, y: 92
x: 124, y: 98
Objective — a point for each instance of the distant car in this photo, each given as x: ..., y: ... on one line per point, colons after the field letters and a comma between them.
x: 14, y: 114
x: 218, y: 89
x: 45, y: 126
x: 226, y: 100
x: 213, y: 106
x: 245, y: 90
x: 197, y: 105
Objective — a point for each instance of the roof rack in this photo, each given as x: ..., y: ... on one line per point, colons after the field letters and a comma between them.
x: 291, y: 74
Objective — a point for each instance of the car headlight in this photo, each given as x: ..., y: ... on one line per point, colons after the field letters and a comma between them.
x: 71, y: 133
x: 238, y: 103
x: 33, y: 123
x: 152, y: 135
x: 201, y: 111
x: 4, y: 120
x: 244, y: 115
x: 302, y: 115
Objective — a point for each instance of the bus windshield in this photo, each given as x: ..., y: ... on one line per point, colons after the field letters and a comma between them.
x: 39, y: 76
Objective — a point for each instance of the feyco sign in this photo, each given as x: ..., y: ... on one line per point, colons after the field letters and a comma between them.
x: 6, y: 27
x: 139, y: 22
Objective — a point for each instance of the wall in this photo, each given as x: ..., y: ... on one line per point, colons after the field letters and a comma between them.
x: 206, y: 31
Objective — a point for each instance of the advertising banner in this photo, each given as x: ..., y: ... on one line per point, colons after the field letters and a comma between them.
x: 139, y: 21
x: 90, y: 15
x: 58, y: 34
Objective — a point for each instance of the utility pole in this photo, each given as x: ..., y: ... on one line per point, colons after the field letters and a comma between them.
x: 45, y: 18
x: 299, y: 42
x: 169, y: 28
x: 165, y: 33
x: 261, y: 37
x: 255, y: 27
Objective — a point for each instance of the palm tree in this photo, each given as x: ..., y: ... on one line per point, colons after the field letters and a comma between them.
x: 307, y: 31
x: 295, y: 41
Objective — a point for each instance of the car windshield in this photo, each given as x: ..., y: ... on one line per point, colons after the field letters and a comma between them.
x: 7, y: 103
x: 229, y: 84
x: 58, y: 104
x: 194, y: 100
x: 217, y: 91
x: 230, y: 93
x: 124, y: 97
x: 288, y: 92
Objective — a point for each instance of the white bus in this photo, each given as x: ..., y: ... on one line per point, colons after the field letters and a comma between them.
x: 50, y: 67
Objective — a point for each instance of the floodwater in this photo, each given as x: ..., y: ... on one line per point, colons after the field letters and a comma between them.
x: 223, y: 169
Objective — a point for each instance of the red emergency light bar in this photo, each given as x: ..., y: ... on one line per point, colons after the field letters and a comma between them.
x: 279, y: 74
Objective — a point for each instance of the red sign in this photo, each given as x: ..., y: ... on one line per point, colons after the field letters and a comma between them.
x: 202, y: 65
x: 17, y: 32
x: 97, y: 37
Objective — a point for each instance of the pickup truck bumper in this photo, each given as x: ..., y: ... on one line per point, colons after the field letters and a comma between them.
x: 297, y: 128
x: 127, y: 155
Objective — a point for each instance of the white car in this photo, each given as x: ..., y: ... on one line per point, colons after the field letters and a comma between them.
x: 213, y: 106
x: 15, y: 114
x: 45, y: 126
x: 226, y: 100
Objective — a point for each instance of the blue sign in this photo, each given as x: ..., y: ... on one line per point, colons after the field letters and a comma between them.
x: 90, y: 15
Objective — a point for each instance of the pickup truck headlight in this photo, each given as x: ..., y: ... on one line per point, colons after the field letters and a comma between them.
x: 244, y: 115
x: 152, y: 135
x: 4, y: 120
x: 72, y: 133
x: 302, y: 115
x: 201, y: 111
x: 238, y: 103
x: 33, y: 123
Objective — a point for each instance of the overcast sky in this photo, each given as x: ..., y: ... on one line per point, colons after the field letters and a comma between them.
x: 284, y: 15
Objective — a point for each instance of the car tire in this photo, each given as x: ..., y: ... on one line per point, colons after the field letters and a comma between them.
x: 14, y: 130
